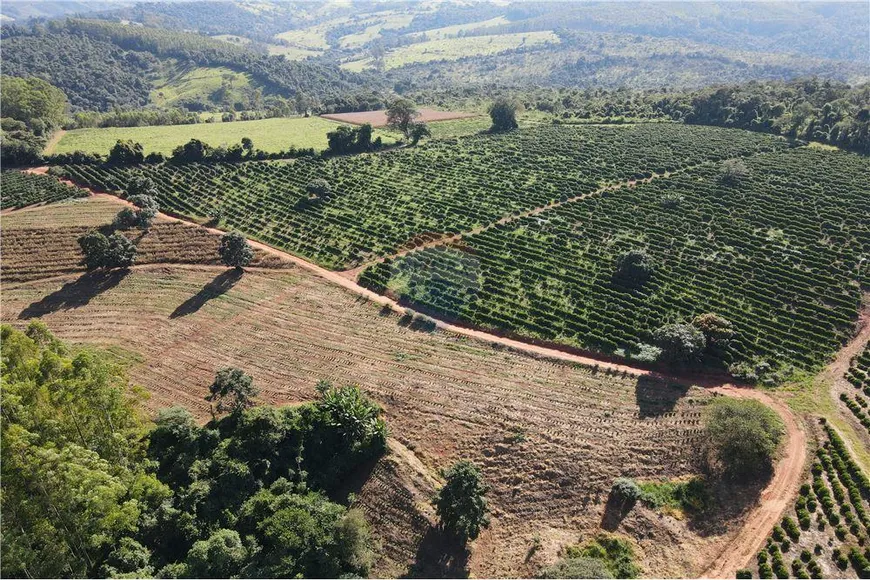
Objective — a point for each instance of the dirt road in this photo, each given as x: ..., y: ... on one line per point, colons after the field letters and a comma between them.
x: 776, y: 496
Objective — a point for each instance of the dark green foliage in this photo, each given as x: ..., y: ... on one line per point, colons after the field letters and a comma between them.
x: 681, y: 344
x: 19, y: 189
x: 744, y: 573
x: 126, y: 153
x: 95, y: 75
x: 461, y: 506
x: 114, y: 251
x: 418, y: 131
x: 503, y: 113
x: 191, y: 152
x: 346, y: 139
x: 232, y: 391
x: 633, y: 269
x: 733, y: 171
x: 577, y: 568
x: 235, y: 251
x: 743, y: 436
x: 791, y: 528
x: 717, y: 330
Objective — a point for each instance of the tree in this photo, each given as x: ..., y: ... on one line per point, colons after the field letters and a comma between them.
x: 222, y: 555
x: 140, y: 185
x: 742, y: 437
x: 192, y: 152
x: 115, y: 251
x: 503, y: 112
x: 247, y: 145
x: 418, y: 131
x: 733, y: 171
x: 233, y: 390
x: 401, y: 114
x: 235, y: 251
x: 717, y: 330
x: 460, y: 504
x: 126, y: 152
x: 342, y: 139
x: 625, y: 491
x: 633, y: 269
x: 680, y: 343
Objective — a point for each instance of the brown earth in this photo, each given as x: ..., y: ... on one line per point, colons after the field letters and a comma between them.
x: 379, y: 118
x: 448, y: 394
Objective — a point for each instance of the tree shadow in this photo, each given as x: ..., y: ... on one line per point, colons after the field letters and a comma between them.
x: 439, y: 555
x: 219, y: 285
x: 615, y: 511
x: 76, y: 293
x: 729, y: 501
x: 655, y: 397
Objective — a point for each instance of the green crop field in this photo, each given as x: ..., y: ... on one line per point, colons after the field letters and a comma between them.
x: 19, y: 189
x: 456, y: 29
x: 782, y: 256
x: 268, y: 134
x: 456, y: 48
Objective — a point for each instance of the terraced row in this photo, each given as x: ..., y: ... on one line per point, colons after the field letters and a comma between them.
x: 19, y: 189
x: 783, y: 255
x: 378, y: 204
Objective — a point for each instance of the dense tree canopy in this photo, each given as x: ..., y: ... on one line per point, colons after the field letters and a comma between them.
x: 743, y: 437
x: 91, y: 489
x: 460, y: 504
x: 33, y: 101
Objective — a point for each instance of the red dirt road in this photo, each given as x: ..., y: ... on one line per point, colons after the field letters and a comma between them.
x: 774, y: 499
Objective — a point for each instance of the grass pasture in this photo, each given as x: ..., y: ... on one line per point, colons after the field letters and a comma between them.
x: 197, y: 82
x: 268, y: 134
x: 456, y: 48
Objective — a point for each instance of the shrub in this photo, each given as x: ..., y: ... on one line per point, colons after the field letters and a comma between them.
x: 615, y: 551
x: 733, y: 171
x: 744, y: 573
x: 633, y: 269
x: 233, y: 390
x: 577, y: 568
x: 791, y: 528
x: 625, y: 491
x: 115, y: 251
x: 503, y: 112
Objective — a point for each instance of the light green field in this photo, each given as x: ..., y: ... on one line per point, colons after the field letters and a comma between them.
x: 292, y: 52
x: 191, y: 83
x: 313, y: 37
x: 450, y: 31
x: 373, y: 31
x: 270, y: 135
x: 456, y: 48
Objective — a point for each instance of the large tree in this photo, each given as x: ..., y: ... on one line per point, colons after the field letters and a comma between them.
x: 401, y: 115
x: 743, y: 436
x: 460, y: 504
x: 503, y: 112
x: 232, y: 390
x: 235, y: 251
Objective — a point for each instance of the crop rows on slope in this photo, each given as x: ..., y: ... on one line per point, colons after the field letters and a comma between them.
x: 19, y: 189
x: 826, y: 532
x: 778, y: 255
x: 385, y: 202
x: 859, y: 371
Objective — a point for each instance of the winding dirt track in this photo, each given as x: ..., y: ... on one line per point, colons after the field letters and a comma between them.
x: 776, y: 496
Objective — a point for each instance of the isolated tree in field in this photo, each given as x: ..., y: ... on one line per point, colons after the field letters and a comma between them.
x: 126, y: 152
x: 235, y: 251
x: 460, y: 504
x: 680, y: 343
x: 503, y: 112
x: 115, y: 251
x: 232, y: 391
x: 733, y: 171
x: 142, y: 215
x: 633, y: 269
x: 418, y: 131
x: 247, y: 145
x: 401, y: 115
x: 140, y: 185
x: 742, y: 437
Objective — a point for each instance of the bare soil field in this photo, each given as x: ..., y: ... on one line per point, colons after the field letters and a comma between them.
x: 379, y: 118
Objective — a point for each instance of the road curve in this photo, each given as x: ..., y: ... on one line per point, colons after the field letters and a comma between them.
x: 776, y: 496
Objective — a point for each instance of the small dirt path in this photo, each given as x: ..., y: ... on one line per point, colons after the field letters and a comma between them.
x: 774, y: 499
x: 52, y: 143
